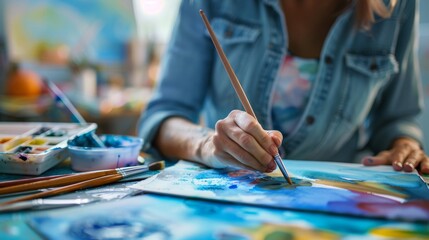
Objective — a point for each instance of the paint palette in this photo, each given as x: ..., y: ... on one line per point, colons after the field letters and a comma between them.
x: 33, y: 148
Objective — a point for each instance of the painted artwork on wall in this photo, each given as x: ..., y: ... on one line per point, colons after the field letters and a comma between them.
x: 163, y: 217
x: 340, y: 188
x: 95, y: 31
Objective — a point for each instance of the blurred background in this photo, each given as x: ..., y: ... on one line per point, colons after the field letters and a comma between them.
x: 103, y: 54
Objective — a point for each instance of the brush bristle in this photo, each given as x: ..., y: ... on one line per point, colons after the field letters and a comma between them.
x: 157, y: 166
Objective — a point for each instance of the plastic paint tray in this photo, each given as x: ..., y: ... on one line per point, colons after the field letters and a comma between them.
x: 33, y: 148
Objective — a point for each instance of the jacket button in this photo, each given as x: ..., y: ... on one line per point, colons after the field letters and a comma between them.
x: 228, y: 33
x: 373, y: 67
x: 328, y: 60
x: 310, y: 120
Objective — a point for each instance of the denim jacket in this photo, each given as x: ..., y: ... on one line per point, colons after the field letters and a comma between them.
x: 367, y: 91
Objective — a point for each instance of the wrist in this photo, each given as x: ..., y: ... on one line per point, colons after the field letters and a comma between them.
x: 204, y: 151
x: 200, y: 151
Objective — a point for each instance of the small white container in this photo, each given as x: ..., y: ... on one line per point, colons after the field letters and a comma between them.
x: 120, y: 151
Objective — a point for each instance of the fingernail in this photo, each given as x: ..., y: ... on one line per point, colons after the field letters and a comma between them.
x: 369, y: 160
x: 398, y: 164
x: 410, y: 166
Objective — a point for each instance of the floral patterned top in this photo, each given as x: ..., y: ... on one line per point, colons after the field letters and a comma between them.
x: 291, y: 91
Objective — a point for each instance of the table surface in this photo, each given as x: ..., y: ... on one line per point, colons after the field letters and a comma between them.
x: 131, y: 208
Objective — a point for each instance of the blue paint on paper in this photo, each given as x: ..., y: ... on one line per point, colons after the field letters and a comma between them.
x: 117, y: 227
x: 196, y: 219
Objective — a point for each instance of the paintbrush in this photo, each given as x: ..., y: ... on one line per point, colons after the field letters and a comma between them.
x: 16, y: 182
x: 238, y: 89
x: 27, y: 180
x: 62, y: 98
x: 95, y: 181
x: 61, y: 180
x: 44, y: 204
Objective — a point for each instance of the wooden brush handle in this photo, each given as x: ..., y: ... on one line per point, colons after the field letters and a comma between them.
x: 55, y: 182
x: 232, y: 77
x: 27, y: 180
x: 73, y: 187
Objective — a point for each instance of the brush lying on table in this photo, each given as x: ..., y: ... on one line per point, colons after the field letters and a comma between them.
x: 44, y: 203
x: 17, y: 182
x: 27, y: 180
x: 78, y: 181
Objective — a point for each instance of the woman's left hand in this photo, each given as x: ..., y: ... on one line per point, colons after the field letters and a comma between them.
x: 405, y: 155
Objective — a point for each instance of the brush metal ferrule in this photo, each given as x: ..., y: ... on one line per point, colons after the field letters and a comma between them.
x: 282, y: 167
x: 128, y: 171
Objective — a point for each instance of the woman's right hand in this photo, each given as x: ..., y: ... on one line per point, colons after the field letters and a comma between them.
x: 239, y: 140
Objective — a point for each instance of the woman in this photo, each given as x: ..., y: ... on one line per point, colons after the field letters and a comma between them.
x: 331, y: 77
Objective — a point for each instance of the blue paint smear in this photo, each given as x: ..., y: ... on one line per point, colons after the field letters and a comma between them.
x: 22, y: 157
x: 343, y: 173
x: 118, y: 141
x: 57, y: 133
x: 23, y: 149
x: 117, y: 227
x: 85, y: 140
x: 110, y: 141
x: 41, y: 131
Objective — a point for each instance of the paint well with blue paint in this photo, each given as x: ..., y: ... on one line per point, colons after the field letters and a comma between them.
x: 120, y: 151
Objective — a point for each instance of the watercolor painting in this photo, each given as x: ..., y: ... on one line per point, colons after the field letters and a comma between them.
x: 147, y: 216
x: 163, y: 217
x: 339, y: 188
x: 14, y: 229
